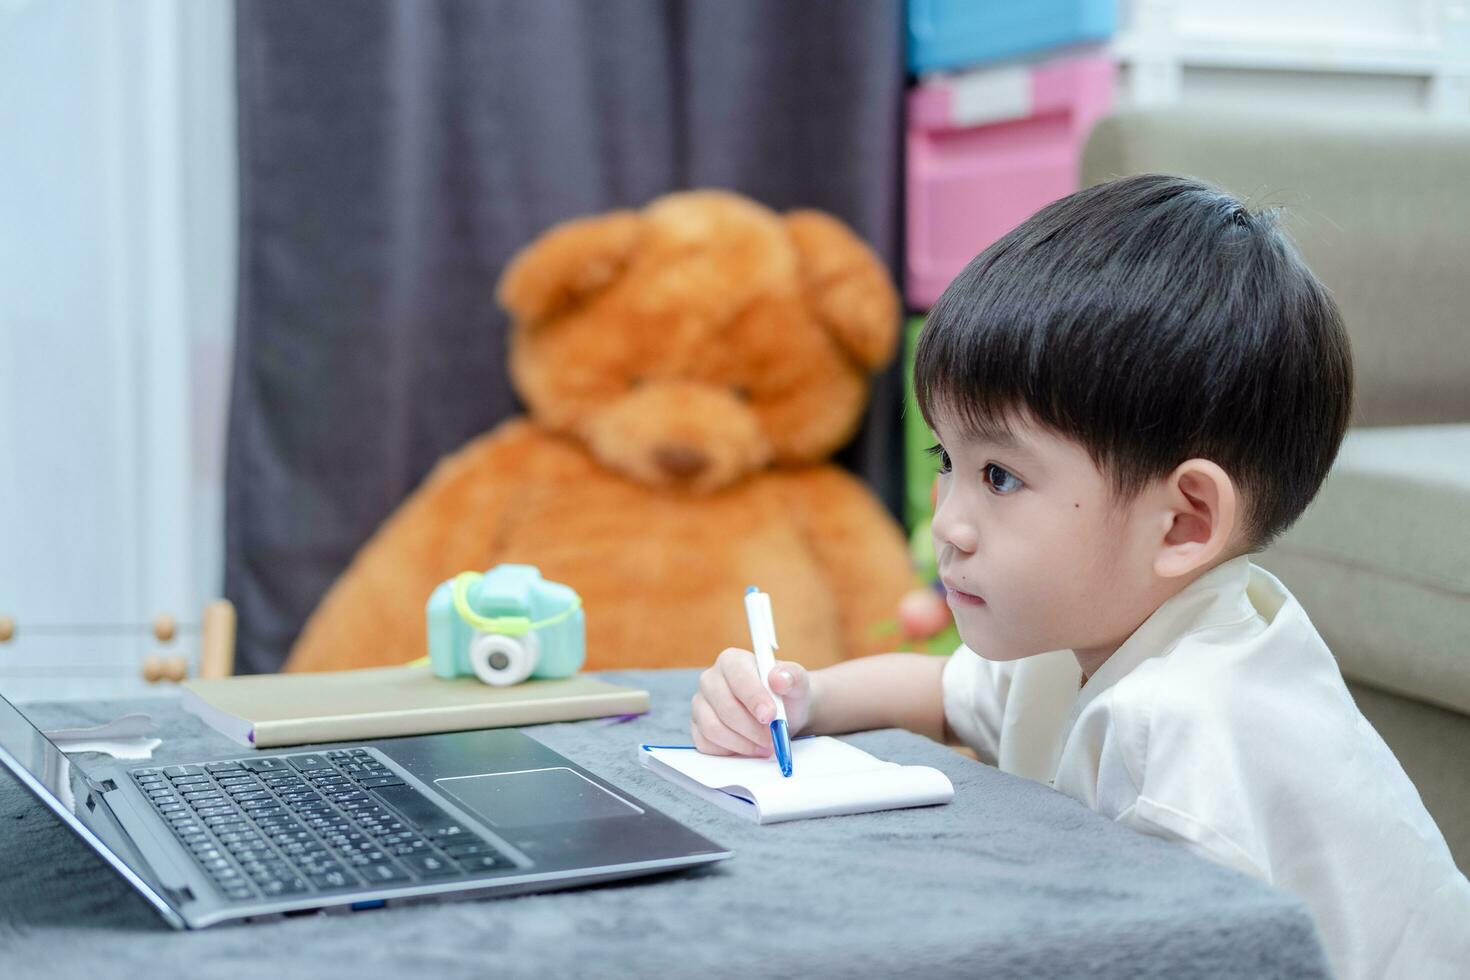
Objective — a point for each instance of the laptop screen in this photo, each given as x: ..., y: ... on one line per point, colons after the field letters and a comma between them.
x: 51, y: 777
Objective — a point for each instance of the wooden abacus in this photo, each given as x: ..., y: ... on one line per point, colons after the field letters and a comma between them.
x: 216, y: 630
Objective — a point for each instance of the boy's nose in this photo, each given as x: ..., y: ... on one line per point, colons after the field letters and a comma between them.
x: 950, y: 527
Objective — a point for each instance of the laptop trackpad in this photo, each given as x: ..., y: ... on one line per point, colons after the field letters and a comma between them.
x: 533, y: 797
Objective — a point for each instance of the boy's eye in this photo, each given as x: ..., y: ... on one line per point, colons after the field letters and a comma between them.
x: 1001, y: 480
x: 938, y: 450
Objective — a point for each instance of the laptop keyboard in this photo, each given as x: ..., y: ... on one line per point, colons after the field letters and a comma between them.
x: 283, y: 826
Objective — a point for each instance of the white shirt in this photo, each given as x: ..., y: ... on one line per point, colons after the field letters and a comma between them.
x: 1224, y: 724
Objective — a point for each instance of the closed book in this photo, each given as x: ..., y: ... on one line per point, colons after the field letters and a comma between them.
x: 829, y: 778
x: 268, y: 710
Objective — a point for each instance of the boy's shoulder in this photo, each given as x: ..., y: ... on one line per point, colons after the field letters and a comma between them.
x: 1267, y: 672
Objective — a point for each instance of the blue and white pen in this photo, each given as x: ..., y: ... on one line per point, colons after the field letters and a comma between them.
x: 763, y: 643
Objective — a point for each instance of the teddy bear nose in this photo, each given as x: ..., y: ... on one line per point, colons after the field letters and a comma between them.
x: 680, y: 460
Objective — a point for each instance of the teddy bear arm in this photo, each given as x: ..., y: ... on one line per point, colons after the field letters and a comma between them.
x: 861, y: 550
x: 373, y: 615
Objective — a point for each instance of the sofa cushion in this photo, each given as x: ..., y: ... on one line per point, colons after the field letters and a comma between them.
x: 1381, y: 561
x: 1380, y: 207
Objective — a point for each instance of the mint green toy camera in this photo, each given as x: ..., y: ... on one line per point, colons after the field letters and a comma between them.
x: 505, y: 626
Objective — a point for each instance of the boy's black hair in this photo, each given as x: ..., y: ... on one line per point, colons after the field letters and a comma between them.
x: 1152, y: 319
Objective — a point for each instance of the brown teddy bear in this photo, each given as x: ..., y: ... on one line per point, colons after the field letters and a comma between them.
x: 688, y: 369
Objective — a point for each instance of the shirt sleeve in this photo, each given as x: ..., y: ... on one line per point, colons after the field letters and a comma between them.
x: 974, y: 701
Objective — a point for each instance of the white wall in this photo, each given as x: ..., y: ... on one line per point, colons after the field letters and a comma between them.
x: 1330, y: 55
x: 116, y: 303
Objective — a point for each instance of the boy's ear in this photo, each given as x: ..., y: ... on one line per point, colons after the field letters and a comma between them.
x: 1198, y: 518
x: 567, y: 264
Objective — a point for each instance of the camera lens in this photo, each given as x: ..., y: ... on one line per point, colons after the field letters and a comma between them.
x: 500, y: 660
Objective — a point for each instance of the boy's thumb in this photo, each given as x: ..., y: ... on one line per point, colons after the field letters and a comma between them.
x: 788, y: 678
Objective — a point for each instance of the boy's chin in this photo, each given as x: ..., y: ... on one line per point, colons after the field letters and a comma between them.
x: 987, y: 645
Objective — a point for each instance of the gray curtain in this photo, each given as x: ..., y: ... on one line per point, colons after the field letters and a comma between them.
x: 393, y: 156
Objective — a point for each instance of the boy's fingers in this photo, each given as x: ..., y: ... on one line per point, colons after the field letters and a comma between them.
x: 715, y: 731
x: 733, y: 712
x: 703, y: 744
x: 744, y: 680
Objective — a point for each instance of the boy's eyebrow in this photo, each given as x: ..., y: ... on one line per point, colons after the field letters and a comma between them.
x: 1001, y: 439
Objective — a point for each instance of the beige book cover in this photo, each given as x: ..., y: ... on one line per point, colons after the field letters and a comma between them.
x: 269, y: 710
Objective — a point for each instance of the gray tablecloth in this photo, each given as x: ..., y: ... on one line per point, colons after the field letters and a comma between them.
x: 1010, y: 880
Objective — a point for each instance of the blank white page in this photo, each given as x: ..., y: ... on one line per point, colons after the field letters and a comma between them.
x: 828, y: 777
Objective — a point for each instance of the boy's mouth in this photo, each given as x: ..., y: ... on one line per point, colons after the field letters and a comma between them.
x: 959, y: 597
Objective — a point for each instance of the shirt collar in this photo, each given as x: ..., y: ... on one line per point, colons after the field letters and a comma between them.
x: 1216, y: 598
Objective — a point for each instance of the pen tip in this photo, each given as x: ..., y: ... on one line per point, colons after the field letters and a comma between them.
x: 751, y: 589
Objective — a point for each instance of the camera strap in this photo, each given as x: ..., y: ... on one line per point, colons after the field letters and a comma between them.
x: 503, y: 625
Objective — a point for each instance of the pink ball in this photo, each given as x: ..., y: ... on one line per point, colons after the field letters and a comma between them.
x: 922, y: 614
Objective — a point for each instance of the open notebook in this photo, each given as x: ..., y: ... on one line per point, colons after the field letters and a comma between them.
x: 829, y: 777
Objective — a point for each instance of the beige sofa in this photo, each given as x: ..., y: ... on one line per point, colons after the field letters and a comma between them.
x: 1381, y: 560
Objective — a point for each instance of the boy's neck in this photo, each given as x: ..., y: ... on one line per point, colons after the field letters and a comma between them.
x: 1090, y: 659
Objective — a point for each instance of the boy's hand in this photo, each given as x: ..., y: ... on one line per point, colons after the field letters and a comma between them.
x: 732, y: 713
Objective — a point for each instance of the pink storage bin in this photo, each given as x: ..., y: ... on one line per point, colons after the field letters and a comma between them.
x: 986, y: 149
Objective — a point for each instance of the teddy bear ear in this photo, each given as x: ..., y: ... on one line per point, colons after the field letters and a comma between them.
x: 847, y: 286
x: 566, y: 264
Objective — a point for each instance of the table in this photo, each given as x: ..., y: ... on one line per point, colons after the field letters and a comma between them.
x: 1012, y: 879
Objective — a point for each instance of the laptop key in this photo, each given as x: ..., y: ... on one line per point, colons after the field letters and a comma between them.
x: 244, y: 796
x: 376, y: 781
x: 382, y: 873
x: 480, y: 862
x: 307, y: 762
x: 429, y: 866
x: 263, y: 765
x: 334, y: 879
x: 417, y: 808
x: 253, y: 854
x: 174, y: 772
x: 284, y: 886
x: 238, y: 782
x: 232, y: 822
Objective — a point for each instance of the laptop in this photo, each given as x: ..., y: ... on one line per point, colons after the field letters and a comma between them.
x: 351, y: 827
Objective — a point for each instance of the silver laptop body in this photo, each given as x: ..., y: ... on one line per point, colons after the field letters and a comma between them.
x: 351, y: 827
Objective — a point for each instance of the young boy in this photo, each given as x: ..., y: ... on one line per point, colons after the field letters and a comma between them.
x: 1133, y: 391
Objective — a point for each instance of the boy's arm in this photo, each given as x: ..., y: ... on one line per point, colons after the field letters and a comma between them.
x: 891, y: 690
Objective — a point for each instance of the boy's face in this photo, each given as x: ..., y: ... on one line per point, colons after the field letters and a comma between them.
x: 1033, y: 550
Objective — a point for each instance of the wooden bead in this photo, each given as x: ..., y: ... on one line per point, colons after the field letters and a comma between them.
x: 164, y: 627
x: 7, y: 629
x: 156, y: 668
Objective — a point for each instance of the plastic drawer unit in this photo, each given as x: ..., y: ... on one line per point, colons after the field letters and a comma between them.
x: 987, y: 149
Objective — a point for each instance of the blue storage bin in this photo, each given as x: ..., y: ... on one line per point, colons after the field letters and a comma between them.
x: 944, y: 34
